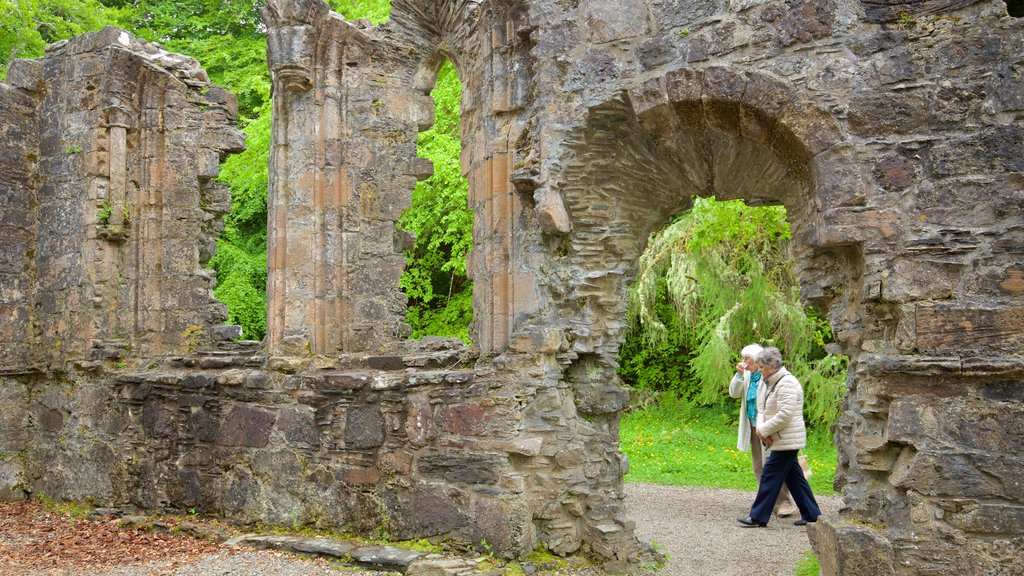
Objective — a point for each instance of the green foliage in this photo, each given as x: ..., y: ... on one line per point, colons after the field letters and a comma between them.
x: 808, y: 565
x: 376, y: 11
x: 717, y: 278
x: 247, y: 174
x: 440, y: 294
x: 677, y: 442
x: 242, y: 279
x: 657, y: 364
x: 241, y: 258
x: 225, y: 36
x: 105, y: 212
x: 27, y: 26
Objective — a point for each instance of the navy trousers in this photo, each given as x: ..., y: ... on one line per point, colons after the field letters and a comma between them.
x: 782, y: 468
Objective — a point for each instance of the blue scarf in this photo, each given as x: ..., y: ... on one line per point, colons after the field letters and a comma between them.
x: 755, y: 378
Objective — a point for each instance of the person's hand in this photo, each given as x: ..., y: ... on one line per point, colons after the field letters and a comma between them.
x: 740, y: 368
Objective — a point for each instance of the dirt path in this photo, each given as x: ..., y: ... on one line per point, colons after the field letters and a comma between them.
x: 697, y: 528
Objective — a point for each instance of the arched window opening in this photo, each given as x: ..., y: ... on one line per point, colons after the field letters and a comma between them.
x: 435, y: 280
x: 715, y: 279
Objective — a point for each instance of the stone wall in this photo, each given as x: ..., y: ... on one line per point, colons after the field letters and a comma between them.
x: 19, y: 155
x: 891, y: 131
x: 111, y: 209
x: 894, y: 139
x: 402, y: 446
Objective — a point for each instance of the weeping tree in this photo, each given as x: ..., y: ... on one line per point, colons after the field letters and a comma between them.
x: 717, y: 278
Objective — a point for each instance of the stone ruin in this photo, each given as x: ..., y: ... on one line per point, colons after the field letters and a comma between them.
x: 890, y: 129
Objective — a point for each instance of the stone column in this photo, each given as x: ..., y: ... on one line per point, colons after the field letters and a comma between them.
x: 343, y: 166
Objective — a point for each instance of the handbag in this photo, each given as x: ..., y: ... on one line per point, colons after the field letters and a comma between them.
x: 805, y: 466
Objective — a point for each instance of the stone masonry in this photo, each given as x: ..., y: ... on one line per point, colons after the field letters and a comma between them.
x: 110, y: 207
x: 891, y: 130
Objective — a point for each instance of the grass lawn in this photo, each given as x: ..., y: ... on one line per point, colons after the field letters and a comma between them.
x: 674, y: 443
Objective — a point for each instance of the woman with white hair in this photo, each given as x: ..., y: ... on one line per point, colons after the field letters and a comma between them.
x: 746, y: 385
x: 781, y: 429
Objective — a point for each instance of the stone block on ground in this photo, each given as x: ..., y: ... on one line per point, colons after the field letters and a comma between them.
x: 385, y: 557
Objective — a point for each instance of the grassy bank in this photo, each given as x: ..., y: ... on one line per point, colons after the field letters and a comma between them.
x: 675, y: 443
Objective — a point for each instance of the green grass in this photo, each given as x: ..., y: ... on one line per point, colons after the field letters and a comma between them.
x: 807, y: 566
x: 675, y: 443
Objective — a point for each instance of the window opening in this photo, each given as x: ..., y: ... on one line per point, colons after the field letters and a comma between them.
x: 435, y: 281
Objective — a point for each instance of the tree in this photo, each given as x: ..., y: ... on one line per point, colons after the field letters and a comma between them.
x: 440, y: 294
x: 27, y: 26
x: 717, y: 278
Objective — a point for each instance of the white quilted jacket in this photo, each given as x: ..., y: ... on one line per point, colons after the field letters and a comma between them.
x: 782, y: 410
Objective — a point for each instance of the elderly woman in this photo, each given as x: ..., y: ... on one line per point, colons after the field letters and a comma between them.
x: 745, y: 385
x: 781, y: 429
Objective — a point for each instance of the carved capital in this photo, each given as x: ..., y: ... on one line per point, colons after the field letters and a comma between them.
x: 119, y: 117
x: 290, y: 52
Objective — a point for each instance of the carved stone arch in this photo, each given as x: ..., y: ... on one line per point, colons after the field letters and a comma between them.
x: 483, y: 40
x: 449, y: 26
x: 642, y: 155
x: 754, y: 115
x: 747, y: 134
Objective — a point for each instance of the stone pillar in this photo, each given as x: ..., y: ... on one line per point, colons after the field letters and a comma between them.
x: 342, y: 170
x: 504, y: 285
x: 19, y: 217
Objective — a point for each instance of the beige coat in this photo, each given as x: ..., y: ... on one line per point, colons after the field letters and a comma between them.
x: 781, y: 415
x: 738, y: 389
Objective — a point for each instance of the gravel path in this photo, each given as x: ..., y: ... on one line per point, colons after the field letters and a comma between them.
x: 697, y: 527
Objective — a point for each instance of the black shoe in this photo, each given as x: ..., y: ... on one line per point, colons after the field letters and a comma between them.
x: 749, y: 522
x: 802, y: 522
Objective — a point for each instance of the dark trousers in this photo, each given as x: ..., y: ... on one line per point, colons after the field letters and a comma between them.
x: 783, y: 468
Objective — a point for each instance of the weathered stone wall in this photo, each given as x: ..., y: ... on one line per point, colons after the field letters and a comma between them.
x: 379, y: 100
x: 19, y: 155
x: 892, y: 133
x: 111, y: 211
x: 404, y: 446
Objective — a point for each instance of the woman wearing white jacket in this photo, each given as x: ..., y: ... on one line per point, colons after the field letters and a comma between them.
x: 781, y: 428
x: 748, y: 386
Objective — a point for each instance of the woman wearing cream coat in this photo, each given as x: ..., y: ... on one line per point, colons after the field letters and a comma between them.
x: 782, y: 429
x: 748, y: 386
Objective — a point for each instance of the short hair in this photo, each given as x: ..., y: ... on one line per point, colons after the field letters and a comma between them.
x: 751, y: 351
x: 770, y: 357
